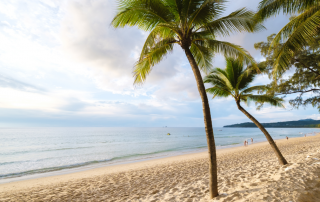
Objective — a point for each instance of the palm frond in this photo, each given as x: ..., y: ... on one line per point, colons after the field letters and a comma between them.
x: 234, y: 80
x: 300, y: 31
x: 174, y: 8
x: 238, y: 21
x: 259, y: 89
x: 160, y: 32
x: 203, y: 56
x: 268, y: 8
x: 202, y: 35
x: 151, y: 57
x: 234, y: 69
x: 231, y: 50
x: 272, y: 100
x: 245, y: 79
x: 218, y: 92
x: 174, y: 27
x: 218, y: 75
x: 145, y: 14
x: 204, y: 12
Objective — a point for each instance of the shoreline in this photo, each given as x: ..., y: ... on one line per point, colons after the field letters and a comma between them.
x: 119, y: 163
x: 83, y: 172
x: 39, y: 171
x: 244, y: 174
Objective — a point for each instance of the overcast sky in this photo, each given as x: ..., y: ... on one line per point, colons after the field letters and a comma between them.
x: 62, y: 64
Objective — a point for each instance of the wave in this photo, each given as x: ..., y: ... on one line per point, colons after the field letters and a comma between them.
x: 298, y: 135
x: 228, y: 144
x: 136, y: 156
x: 50, y: 169
x: 236, y: 136
x: 37, y: 151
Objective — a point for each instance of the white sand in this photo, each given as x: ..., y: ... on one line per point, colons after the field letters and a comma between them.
x: 245, y: 174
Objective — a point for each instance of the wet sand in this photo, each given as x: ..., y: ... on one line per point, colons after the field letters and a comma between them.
x: 245, y: 174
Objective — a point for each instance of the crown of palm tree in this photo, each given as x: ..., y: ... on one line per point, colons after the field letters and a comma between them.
x: 235, y: 81
x: 299, y: 32
x: 189, y: 23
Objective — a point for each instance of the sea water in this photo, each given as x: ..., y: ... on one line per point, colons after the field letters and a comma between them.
x: 30, y: 151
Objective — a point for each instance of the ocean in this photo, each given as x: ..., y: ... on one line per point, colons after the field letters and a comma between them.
x: 32, y: 151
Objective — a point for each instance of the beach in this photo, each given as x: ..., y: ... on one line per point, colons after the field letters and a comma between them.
x: 244, y: 174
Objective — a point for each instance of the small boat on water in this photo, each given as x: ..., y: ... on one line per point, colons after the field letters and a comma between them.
x: 168, y: 134
x: 219, y: 130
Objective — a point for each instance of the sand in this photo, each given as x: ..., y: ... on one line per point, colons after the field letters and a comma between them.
x: 245, y: 174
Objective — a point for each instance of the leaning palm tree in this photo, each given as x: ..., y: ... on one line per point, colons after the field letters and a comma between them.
x: 194, y: 25
x: 234, y: 81
x: 299, y: 32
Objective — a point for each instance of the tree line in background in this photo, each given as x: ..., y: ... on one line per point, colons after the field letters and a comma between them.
x: 194, y: 25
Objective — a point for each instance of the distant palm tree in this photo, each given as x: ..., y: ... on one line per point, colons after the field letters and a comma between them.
x: 234, y: 81
x: 194, y: 25
x: 299, y: 32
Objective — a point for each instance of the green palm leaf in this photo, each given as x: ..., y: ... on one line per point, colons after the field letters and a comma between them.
x: 218, y: 91
x: 273, y: 101
x: 231, y: 50
x: 145, y: 14
x: 240, y: 20
x: 268, y: 8
x: 299, y: 32
x: 152, y: 56
x: 234, y: 81
x: 202, y: 55
x: 260, y: 88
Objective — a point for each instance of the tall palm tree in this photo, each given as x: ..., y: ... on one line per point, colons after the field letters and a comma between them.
x: 194, y: 25
x: 299, y: 32
x: 234, y: 81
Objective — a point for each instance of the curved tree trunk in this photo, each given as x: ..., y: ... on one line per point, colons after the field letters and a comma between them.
x: 276, y: 150
x: 213, y: 179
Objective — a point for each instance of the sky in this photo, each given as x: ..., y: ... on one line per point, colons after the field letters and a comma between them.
x: 63, y: 64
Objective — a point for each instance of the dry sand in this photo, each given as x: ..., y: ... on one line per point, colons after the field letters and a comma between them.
x: 245, y: 174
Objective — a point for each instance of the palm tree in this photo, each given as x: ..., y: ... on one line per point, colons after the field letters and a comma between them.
x: 194, y: 25
x: 234, y: 81
x: 299, y: 32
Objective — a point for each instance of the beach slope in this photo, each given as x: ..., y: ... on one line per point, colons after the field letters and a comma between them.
x: 245, y: 174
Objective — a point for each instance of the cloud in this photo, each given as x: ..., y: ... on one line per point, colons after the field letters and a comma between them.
x: 87, y: 36
x: 8, y: 82
x: 314, y: 116
x: 63, y: 64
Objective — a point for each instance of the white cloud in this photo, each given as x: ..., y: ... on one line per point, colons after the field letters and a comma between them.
x: 314, y: 116
x: 88, y: 37
x: 63, y: 60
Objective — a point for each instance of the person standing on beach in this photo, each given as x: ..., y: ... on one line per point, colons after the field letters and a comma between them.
x: 287, y: 137
x: 251, y: 140
x: 245, y: 143
x: 305, y: 135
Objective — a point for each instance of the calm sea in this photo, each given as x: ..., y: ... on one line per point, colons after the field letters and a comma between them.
x: 30, y: 151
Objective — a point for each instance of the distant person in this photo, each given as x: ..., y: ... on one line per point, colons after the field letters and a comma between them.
x: 305, y: 135
x: 251, y: 140
x: 245, y: 143
x: 287, y: 137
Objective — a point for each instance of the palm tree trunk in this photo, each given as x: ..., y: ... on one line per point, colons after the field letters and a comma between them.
x: 276, y: 150
x: 213, y: 178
